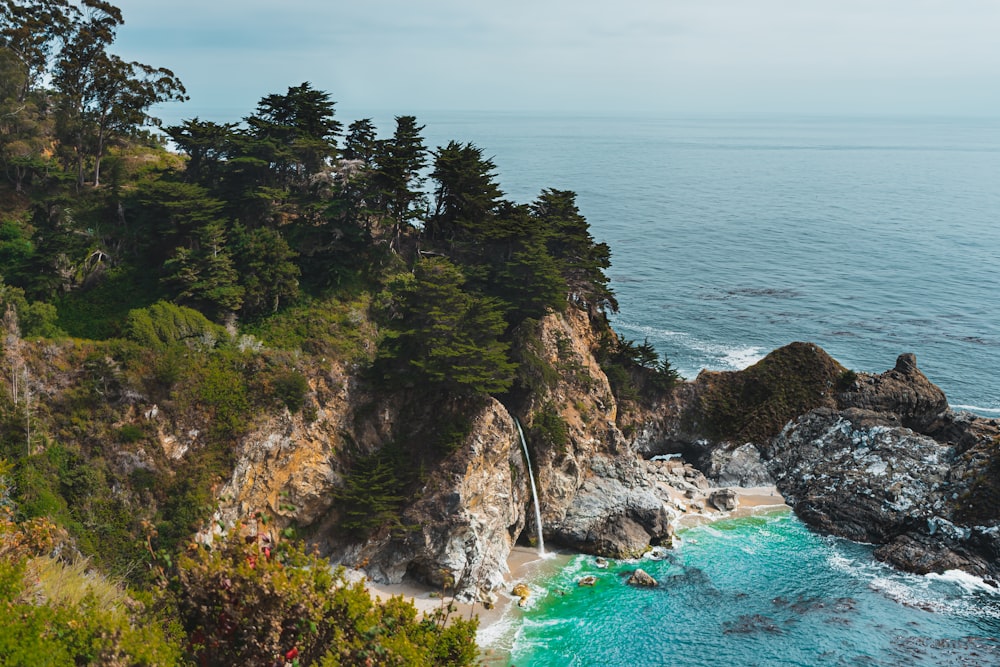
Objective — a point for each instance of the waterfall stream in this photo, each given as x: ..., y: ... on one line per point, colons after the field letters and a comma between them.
x: 534, y: 491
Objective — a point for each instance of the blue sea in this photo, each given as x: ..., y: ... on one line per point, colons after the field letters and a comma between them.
x: 733, y: 235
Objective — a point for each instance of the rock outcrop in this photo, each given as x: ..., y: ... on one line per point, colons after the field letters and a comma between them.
x: 462, y: 526
x: 878, y: 458
x: 894, y: 466
x: 641, y: 579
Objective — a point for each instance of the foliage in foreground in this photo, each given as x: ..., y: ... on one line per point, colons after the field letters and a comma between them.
x: 247, y: 601
x: 240, y: 601
x: 59, y: 613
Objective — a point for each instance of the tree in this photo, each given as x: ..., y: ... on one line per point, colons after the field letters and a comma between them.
x: 360, y: 142
x: 203, y: 275
x: 397, y: 178
x: 122, y: 93
x: 28, y: 32
x: 168, y: 214
x: 207, y: 144
x: 23, y: 125
x: 581, y: 260
x: 266, y: 265
x: 99, y: 94
x: 444, y: 336
x: 296, y: 132
x: 466, y: 195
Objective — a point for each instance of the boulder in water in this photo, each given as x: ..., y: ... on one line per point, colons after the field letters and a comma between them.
x: 589, y: 580
x: 521, y: 591
x: 642, y: 579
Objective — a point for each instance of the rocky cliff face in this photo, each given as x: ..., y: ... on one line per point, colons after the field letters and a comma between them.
x: 597, y: 494
x: 876, y: 458
x: 460, y: 528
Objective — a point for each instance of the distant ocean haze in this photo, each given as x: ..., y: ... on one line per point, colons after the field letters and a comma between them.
x: 734, y: 235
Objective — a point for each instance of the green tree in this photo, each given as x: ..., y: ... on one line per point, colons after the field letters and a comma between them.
x: 99, y: 94
x: 582, y: 261
x: 442, y: 335
x: 207, y: 145
x: 296, y: 132
x: 360, y: 143
x: 29, y: 30
x: 396, y: 177
x: 466, y: 195
x: 203, y: 275
x: 267, y: 269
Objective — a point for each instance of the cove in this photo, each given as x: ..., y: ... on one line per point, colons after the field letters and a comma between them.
x: 758, y: 590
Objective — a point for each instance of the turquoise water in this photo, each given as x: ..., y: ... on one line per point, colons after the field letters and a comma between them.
x: 732, y: 236
x: 760, y: 590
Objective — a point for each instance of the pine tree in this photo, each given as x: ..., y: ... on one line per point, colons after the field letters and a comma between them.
x: 443, y: 336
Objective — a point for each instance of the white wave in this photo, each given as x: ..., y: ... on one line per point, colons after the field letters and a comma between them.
x: 739, y: 358
x: 646, y: 330
x: 976, y: 408
x: 967, y: 582
x: 499, y: 634
x: 721, y: 357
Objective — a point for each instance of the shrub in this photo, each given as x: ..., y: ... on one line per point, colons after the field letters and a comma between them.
x: 291, y: 387
x: 249, y: 601
x: 846, y: 380
x: 58, y: 613
x: 165, y: 323
x: 548, y: 428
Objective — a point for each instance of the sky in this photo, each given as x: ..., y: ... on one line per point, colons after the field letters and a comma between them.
x: 919, y: 57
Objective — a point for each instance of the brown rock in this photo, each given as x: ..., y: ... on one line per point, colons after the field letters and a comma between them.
x: 642, y: 579
x: 725, y: 500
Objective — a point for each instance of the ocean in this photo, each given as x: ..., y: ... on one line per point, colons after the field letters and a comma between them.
x: 734, y: 235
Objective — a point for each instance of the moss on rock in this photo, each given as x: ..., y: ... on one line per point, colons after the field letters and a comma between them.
x: 754, y: 404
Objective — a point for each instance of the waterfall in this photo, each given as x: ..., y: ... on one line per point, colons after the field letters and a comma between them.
x: 534, y: 491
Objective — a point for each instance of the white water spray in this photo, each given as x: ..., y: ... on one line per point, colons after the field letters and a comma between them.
x: 534, y: 491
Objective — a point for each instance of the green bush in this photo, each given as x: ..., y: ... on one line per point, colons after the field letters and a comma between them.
x: 291, y: 387
x: 846, y: 380
x: 130, y: 433
x: 549, y: 429
x: 249, y: 601
x: 62, y: 614
x: 164, y: 323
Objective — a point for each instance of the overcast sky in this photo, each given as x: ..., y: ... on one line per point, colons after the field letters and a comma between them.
x: 665, y: 56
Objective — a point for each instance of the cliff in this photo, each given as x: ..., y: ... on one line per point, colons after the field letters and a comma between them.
x: 878, y: 458
x: 409, y: 484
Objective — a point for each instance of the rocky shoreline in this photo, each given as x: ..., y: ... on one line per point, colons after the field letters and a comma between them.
x: 525, y: 566
x: 873, y: 457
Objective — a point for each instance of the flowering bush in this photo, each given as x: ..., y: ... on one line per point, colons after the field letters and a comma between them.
x: 246, y: 601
